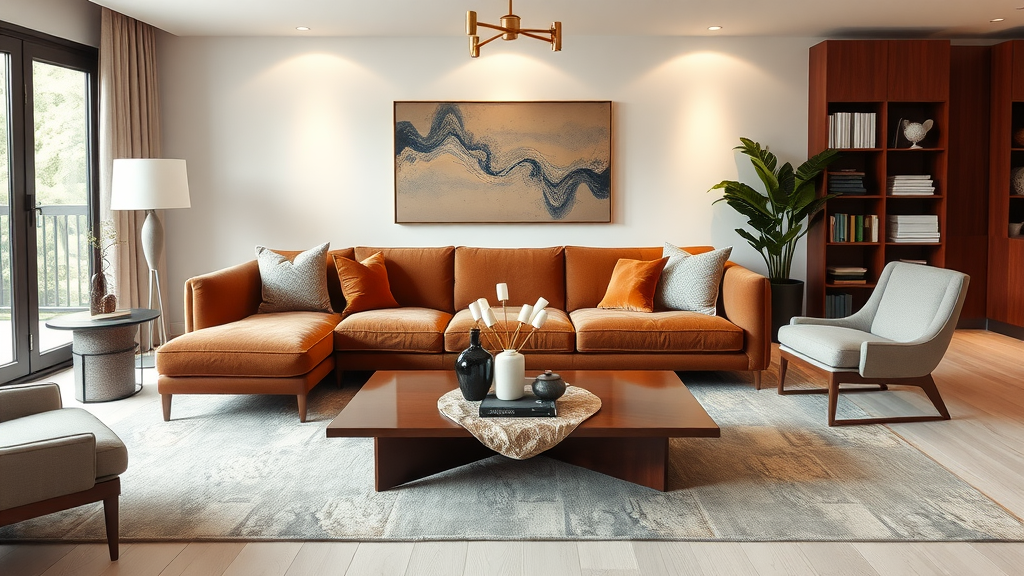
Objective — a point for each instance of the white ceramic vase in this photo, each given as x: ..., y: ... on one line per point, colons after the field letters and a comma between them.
x: 509, y: 375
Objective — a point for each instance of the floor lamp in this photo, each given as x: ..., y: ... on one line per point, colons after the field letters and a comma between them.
x: 150, y: 184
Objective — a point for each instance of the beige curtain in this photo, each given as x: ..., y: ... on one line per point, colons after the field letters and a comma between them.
x: 129, y: 128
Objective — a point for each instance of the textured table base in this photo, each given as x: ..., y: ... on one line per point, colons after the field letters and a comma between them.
x: 104, y: 363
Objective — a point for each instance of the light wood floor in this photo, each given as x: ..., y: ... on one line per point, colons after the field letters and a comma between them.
x: 981, y: 379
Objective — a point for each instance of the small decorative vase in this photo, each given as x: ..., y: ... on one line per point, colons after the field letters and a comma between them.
x: 97, y: 291
x: 109, y: 303
x: 1018, y: 137
x: 1017, y: 181
x: 1015, y: 229
x: 509, y: 374
x: 475, y: 369
x: 549, y: 386
x: 915, y: 132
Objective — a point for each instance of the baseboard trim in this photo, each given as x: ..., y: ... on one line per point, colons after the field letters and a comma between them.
x: 972, y: 324
x: 1006, y: 329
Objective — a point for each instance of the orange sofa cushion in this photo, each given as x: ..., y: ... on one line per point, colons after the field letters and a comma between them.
x: 418, y: 330
x: 557, y: 336
x: 588, y: 270
x: 529, y: 272
x: 365, y: 284
x: 279, y: 344
x: 419, y: 277
x: 632, y: 285
x: 600, y: 330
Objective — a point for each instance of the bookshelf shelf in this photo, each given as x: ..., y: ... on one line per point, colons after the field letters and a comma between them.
x: 887, y: 81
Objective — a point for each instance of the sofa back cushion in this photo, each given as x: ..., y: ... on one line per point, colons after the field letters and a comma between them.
x: 588, y: 270
x: 529, y: 272
x: 333, y: 283
x: 419, y: 277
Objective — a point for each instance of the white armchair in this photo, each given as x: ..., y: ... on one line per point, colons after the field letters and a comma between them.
x: 54, y: 458
x: 898, y: 337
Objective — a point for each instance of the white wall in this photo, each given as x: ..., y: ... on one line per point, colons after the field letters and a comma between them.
x: 77, y: 20
x: 289, y: 140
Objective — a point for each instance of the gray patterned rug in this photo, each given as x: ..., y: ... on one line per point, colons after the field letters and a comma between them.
x: 243, y: 467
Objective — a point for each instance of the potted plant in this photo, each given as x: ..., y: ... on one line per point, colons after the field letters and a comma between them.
x: 777, y: 217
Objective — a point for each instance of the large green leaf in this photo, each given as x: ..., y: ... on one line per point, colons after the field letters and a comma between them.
x: 816, y: 164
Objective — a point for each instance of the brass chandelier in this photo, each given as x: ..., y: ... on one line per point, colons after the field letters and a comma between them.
x: 510, y: 30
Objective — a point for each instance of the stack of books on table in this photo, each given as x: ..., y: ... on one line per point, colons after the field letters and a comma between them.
x: 851, y: 275
x: 910, y: 185
x: 846, y: 182
x: 851, y: 130
x: 838, y: 305
x: 913, y: 228
x: 853, y: 227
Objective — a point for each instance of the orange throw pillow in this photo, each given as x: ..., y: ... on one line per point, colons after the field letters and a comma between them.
x: 633, y: 284
x: 364, y: 284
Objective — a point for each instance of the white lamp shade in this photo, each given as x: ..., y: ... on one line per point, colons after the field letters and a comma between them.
x: 149, y: 184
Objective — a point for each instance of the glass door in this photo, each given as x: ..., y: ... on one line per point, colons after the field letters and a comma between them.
x: 47, y: 186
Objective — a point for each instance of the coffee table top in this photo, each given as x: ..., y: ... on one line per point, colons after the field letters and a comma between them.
x: 403, y: 404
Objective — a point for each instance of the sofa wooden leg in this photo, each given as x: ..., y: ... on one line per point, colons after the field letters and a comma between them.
x: 165, y: 399
x: 110, y: 517
x: 757, y: 379
x: 302, y: 407
x: 339, y: 375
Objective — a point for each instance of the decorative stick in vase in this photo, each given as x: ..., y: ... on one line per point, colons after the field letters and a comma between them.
x: 502, y: 290
x: 524, y: 318
x: 474, y: 309
x: 537, y: 323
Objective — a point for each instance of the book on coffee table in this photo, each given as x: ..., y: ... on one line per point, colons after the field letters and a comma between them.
x: 527, y: 406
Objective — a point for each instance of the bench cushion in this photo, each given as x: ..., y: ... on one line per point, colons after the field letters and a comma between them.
x: 600, y: 330
x: 557, y: 336
x: 406, y: 329
x: 269, y: 345
x: 111, y: 454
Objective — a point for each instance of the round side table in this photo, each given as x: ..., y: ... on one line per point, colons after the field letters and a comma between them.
x: 104, y: 353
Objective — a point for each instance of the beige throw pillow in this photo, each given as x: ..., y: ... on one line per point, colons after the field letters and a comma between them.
x: 690, y: 281
x: 299, y: 284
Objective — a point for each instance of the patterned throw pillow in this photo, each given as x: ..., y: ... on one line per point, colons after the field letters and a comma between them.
x: 690, y: 281
x: 294, y: 285
x: 632, y: 285
x: 365, y: 284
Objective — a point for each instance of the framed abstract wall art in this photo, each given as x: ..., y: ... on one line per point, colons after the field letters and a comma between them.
x: 502, y: 162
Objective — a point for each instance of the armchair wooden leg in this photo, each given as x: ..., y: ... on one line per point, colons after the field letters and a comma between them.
x: 833, y: 397
x: 165, y: 399
x: 302, y: 407
x: 783, y: 366
x: 110, y: 517
x: 928, y: 385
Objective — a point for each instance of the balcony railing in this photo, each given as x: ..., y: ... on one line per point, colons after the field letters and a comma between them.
x: 62, y: 258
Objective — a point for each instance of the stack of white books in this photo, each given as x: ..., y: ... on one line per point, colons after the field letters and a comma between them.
x: 913, y: 228
x: 851, y: 130
x: 910, y: 185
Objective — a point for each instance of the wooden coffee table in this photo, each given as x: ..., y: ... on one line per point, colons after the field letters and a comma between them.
x: 627, y: 438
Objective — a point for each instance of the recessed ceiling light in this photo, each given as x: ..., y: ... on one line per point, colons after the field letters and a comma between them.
x: 997, y: 19
x: 302, y: 28
x: 714, y: 28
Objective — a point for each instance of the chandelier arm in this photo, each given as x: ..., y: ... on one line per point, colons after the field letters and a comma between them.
x: 536, y: 30
x: 535, y: 36
x: 492, y: 26
x: 495, y: 37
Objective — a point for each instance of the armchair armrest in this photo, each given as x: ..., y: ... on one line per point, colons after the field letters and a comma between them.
x: 901, y: 359
x: 19, y: 401
x: 45, y: 469
x: 747, y: 303
x: 223, y: 296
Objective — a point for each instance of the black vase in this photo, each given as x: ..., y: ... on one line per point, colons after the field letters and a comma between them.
x: 474, y: 368
x: 787, y: 302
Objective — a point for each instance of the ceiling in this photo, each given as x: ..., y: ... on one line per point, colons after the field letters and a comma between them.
x: 831, y: 18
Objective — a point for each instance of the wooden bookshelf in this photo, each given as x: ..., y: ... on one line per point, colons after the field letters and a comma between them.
x: 1006, y: 254
x: 894, y: 80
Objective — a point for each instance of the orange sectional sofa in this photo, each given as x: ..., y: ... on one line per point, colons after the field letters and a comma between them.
x: 230, y: 349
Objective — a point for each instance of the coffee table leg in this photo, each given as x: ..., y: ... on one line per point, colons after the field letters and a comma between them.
x: 642, y: 461
x: 400, y: 460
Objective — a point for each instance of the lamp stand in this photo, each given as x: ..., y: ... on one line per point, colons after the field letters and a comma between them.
x: 152, y: 249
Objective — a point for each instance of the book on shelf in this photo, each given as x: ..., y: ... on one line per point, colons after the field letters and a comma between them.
x: 838, y: 305
x: 528, y: 406
x: 851, y: 130
x: 853, y: 227
x: 910, y: 185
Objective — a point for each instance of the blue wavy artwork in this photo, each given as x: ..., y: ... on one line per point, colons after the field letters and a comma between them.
x: 492, y: 163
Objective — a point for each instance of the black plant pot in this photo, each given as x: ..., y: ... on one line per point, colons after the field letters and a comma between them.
x: 474, y: 368
x: 787, y: 302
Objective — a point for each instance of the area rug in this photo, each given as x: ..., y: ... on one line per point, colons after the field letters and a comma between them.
x: 243, y: 467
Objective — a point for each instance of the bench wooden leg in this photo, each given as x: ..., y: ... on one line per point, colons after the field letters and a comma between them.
x: 302, y: 407
x: 165, y: 399
x: 110, y: 517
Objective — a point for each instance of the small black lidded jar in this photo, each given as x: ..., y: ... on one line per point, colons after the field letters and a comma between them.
x: 548, y: 386
x: 475, y: 369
